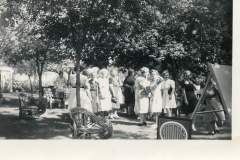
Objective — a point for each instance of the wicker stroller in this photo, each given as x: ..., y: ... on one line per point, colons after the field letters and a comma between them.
x: 86, y: 125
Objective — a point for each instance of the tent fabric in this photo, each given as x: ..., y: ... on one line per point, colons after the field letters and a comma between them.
x: 222, y: 75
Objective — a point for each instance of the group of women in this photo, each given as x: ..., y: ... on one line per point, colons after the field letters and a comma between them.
x: 144, y: 92
x: 99, y: 92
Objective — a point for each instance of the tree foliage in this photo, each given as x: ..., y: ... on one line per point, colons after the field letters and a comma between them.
x: 160, y: 34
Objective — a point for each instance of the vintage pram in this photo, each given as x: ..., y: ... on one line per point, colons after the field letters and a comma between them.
x: 86, y: 125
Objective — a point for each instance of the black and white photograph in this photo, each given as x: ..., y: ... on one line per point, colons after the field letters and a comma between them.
x: 116, y: 70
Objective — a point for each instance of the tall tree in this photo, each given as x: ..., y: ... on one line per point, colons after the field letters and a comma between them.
x: 28, y: 68
x: 29, y: 37
x: 83, y: 26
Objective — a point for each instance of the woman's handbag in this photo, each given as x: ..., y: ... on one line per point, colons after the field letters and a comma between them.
x: 114, y: 99
x: 170, y: 90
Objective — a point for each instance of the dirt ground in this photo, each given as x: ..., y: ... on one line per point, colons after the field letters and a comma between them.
x: 54, y: 124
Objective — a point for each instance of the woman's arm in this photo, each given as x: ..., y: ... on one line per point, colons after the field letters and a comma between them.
x: 184, y: 94
x: 98, y: 92
x: 172, y: 84
x: 141, y: 84
x: 120, y: 82
x: 211, y: 91
x: 111, y: 90
x: 194, y: 87
x: 161, y: 88
x: 88, y: 91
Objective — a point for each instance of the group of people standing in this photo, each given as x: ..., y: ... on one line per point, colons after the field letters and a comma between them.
x: 99, y: 92
x: 144, y: 92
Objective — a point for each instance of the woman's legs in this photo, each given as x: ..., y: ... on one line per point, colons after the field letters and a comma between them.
x: 175, y: 111
x: 115, y: 115
x: 193, y: 123
x: 156, y: 119
x: 201, y: 108
x: 130, y: 109
x: 110, y: 114
x: 127, y: 109
x: 169, y: 112
x: 141, y: 116
x: 216, y: 128
x: 211, y: 127
x: 142, y: 119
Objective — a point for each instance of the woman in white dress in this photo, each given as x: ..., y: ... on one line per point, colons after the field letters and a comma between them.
x: 115, y: 84
x: 156, y: 98
x: 104, y: 92
x: 168, y: 99
x: 85, y: 95
x: 142, y: 96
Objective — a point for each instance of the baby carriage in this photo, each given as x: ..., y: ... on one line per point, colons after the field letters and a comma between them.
x: 86, y: 125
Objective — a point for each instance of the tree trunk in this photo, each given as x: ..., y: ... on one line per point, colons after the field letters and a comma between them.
x: 174, y: 69
x: 40, y: 85
x: 78, y: 79
x: 39, y: 71
x: 69, y: 74
x: 31, y: 86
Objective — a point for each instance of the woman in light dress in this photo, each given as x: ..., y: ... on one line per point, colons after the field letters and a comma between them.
x: 94, y: 90
x: 85, y: 95
x: 142, y: 96
x: 115, y: 84
x: 104, y: 92
x: 168, y: 100
x: 156, y: 98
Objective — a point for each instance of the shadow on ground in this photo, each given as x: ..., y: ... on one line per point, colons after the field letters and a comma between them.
x: 11, y: 127
x: 54, y: 124
x: 12, y: 103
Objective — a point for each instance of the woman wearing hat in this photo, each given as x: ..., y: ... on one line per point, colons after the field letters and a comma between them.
x: 142, y: 96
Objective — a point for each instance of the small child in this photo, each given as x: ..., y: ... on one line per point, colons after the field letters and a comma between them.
x: 179, y: 100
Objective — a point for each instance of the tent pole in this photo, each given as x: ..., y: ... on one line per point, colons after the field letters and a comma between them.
x: 201, y: 98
